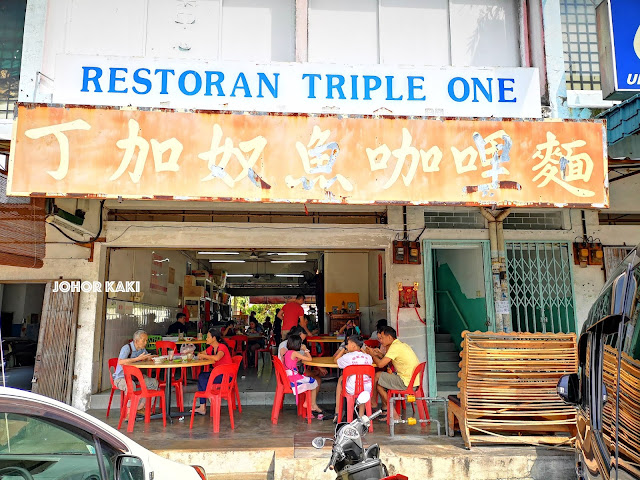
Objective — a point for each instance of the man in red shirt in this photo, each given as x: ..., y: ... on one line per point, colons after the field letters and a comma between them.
x: 291, y: 314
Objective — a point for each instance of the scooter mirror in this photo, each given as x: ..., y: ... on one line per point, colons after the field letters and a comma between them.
x: 318, y: 442
x: 364, y: 397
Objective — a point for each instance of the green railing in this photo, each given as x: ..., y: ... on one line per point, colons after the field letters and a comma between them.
x: 455, y: 307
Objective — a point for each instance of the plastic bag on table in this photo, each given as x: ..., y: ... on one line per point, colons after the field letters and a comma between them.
x: 187, y: 348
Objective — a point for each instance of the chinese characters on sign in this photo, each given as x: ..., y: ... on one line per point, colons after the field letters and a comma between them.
x: 299, y: 159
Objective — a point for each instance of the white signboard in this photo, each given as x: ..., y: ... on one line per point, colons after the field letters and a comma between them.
x: 298, y: 87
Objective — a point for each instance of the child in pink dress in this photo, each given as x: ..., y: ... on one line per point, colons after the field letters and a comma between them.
x: 300, y: 383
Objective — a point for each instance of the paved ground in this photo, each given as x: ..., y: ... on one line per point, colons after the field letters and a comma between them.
x: 258, y: 449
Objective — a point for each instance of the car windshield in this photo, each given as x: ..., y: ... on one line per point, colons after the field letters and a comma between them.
x: 21, y: 434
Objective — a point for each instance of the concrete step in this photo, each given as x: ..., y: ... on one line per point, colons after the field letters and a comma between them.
x: 423, y: 460
x: 446, y: 347
x: 442, y: 367
x: 443, y: 338
x: 447, y: 377
x: 448, y: 356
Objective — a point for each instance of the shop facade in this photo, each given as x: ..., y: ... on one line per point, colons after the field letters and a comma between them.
x: 163, y: 151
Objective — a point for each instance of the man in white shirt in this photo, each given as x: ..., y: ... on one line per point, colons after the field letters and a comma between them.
x: 352, y: 354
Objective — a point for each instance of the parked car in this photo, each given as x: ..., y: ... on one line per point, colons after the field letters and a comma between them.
x: 41, y: 438
x: 606, y: 389
x: 19, y: 358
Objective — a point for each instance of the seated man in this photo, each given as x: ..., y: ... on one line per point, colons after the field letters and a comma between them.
x: 130, y: 354
x: 179, y: 326
x: 404, y: 361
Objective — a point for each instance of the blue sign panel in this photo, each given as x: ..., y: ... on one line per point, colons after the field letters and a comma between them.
x: 625, y: 21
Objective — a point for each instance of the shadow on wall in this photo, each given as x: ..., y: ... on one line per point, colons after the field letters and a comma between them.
x: 473, y: 310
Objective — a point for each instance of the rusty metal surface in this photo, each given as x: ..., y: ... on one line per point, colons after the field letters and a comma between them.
x: 306, y: 158
x: 53, y: 370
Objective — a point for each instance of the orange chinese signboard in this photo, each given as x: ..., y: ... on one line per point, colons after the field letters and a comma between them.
x: 105, y: 152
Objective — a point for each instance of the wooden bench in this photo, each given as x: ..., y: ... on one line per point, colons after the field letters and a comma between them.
x: 508, y: 385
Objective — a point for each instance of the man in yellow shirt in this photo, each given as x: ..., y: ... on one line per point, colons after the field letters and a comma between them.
x: 404, y: 361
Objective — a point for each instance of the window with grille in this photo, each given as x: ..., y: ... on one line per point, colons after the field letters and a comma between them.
x: 580, y: 42
x: 11, y: 28
x: 541, y: 287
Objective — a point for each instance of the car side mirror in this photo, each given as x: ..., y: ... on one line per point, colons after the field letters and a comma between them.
x: 130, y: 468
x: 569, y: 388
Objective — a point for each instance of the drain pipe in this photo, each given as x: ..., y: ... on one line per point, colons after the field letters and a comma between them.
x: 498, y: 265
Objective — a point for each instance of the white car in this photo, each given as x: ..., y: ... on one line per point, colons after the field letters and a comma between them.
x: 43, y: 439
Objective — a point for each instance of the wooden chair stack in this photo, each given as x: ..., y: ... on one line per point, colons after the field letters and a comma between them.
x: 629, y: 433
x: 508, y: 385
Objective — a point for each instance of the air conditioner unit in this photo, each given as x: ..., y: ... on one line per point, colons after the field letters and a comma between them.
x: 67, y: 225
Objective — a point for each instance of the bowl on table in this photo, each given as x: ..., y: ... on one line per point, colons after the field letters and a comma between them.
x: 159, y: 360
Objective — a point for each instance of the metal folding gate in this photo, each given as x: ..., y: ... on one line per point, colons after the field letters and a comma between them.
x: 541, y: 286
x: 53, y: 370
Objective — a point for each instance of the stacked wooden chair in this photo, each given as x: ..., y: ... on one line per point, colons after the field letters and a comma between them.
x: 629, y: 431
x: 508, y: 385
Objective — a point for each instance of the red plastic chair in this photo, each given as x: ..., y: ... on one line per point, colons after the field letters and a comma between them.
x: 241, y: 347
x: 135, y: 394
x: 359, y: 371
x: 237, y: 360
x: 216, y: 393
x: 283, y: 387
x: 270, y: 344
x: 312, y: 341
x: 372, y: 343
x: 423, y: 411
x: 113, y: 363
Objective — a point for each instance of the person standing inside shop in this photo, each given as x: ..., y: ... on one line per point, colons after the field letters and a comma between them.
x: 179, y: 326
x: 277, y: 327
x: 291, y: 314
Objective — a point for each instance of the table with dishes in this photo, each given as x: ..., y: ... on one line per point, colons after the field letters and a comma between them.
x: 176, y: 361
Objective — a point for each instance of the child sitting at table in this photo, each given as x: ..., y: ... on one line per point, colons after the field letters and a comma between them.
x: 217, y: 351
x: 352, y: 354
x: 301, y: 383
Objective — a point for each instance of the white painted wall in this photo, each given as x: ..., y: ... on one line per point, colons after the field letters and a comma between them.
x: 377, y: 305
x: 467, y: 266
x: 13, y: 301
x: 135, y: 264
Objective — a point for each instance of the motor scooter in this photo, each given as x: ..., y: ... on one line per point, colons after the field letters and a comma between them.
x: 349, y: 459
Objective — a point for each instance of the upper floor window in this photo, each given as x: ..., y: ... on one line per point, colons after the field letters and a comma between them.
x: 580, y: 43
x: 243, y: 30
x: 11, y: 28
x: 415, y: 32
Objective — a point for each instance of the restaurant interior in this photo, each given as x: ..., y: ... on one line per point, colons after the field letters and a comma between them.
x: 214, y: 287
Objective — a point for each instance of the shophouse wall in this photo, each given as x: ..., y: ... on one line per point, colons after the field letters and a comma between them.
x: 64, y: 260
